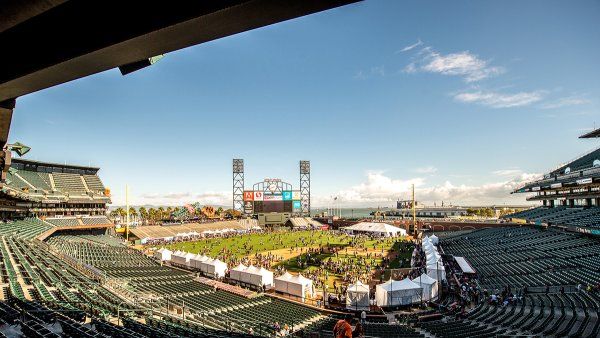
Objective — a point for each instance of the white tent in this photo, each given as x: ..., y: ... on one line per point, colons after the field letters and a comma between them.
x: 214, y: 268
x: 357, y: 297
x: 429, y: 285
x: 236, y: 273
x: 436, y: 271
x: 375, y: 229
x: 252, y: 276
x: 178, y: 257
x: 188, y: 256
x: 392, y: 293
x: 434, y: 239
x: 196, y: 261
x: 267, y: 277
x: 298, y: 286
x: 163, y: 254
x: 281, y: 282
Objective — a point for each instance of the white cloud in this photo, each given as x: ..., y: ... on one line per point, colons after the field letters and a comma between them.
x: 464, y: 64
x: 427, y: 170
x: 507, y: 172
x: 411, y: 47
x: 178, y: 198
x: 565, y: 102
x: 500, y: 100
x: 382, y: 190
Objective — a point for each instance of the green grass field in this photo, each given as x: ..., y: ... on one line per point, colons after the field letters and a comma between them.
x: 351, y: 249
x: 241, y: 246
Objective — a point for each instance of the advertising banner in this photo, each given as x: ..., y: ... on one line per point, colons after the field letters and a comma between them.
x: 555, y: 185
x: 297, y: 206
x: 248, y: 195
x: 272, y: 197
x: 535, y: 189
x: 258, y: 195
x: 248, y: 207
x: 584, y: 180
x: 296, y: 195
x: 287, y: 195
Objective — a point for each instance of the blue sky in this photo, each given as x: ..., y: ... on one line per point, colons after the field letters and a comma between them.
x: 466, y: 99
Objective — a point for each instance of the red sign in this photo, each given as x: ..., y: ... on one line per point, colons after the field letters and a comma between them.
x: 248, y: 195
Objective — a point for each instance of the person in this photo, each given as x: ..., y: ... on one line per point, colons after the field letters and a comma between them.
x: 359, y: 331
x: 342, y: 328
x: 363, y: 317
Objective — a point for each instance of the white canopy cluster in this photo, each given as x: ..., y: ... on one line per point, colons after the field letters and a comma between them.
x: 208, y: 266
x: 434, y: 265
x: 298, y: 286
x: 252, y: 275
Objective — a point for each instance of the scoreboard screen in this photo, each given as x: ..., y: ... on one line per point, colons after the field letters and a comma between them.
x: 259, y: 201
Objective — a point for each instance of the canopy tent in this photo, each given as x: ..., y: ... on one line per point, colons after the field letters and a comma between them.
x: 375, y: 229
x: 179, y: 257
x: 214, y: 268
x: 281, y: 284
x: 163, y: 254
x: 298, y: 286
x: 196, y: 261
x: 436, y: 271
x: 236, y: 273
x: 464, y: 265
x: 393, y: 293
x: 429, y: 285
x: 267, y: 277
x: 188, y: 256
x: 357, y: 297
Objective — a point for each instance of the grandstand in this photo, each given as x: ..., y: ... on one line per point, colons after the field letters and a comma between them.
x: 49, y: 189
x: 554, y: 272
x: 570, y: 195
x: 168, y: 232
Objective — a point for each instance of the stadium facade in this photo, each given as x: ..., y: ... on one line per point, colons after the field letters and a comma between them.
x: 569, y: 194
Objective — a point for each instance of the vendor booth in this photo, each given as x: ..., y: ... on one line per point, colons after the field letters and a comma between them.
x: 429, y: 285
x: 394, y: 293
x: 163, y: 254
x: 357, y: 297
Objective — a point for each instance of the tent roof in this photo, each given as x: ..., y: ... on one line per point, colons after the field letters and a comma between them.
x: 358, y: 287
x: 240, y: 267
x: 375, y: 227
x: 394, y: 285
x: 285, y: 276
x: 424, y: 279
x: 464, y: 265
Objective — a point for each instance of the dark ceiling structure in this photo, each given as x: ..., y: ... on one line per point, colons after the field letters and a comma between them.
x: 49, y: 42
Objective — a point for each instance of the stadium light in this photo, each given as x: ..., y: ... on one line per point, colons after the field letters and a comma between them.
x: 137, y: 65
x: 18, y: 148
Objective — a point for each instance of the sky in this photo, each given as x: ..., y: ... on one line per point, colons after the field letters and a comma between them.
x: 465, y: 99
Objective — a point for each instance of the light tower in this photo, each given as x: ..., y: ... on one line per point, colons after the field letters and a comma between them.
x: 305, y: 187
x: 238, y: 184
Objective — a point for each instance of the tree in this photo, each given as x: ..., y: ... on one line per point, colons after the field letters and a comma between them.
x: 219, y: 211
x: 132, y: 212
x: 143, y: 213
x: 152, y: 215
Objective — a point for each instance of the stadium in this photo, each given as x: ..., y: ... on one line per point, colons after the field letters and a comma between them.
x: 268, y: 267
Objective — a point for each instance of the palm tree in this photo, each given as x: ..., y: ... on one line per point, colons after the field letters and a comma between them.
x: 152, y: 215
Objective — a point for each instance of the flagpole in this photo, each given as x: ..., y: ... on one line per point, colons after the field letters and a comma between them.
x: 127, y: 206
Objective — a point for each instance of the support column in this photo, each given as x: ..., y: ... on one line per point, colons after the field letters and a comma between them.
x: 6, y: 112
